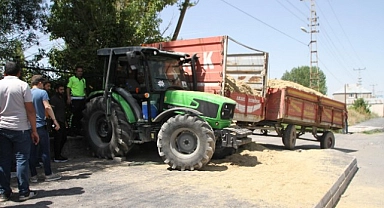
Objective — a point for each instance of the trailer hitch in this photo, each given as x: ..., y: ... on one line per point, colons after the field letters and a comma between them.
x: 234, y: 137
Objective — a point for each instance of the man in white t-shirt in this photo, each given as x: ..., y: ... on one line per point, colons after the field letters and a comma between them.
x: 17, y: 132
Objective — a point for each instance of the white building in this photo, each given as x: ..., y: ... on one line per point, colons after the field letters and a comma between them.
x: 351, y: 92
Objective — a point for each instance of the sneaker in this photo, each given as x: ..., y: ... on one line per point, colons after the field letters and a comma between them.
x: 52, y: 177
x: 60, y: 159
x: 33, y: 179
x: 5, y: 197
x: 28, y: 195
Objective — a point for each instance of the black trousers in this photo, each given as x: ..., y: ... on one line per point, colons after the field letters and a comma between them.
x: 77, y: 108
x: 59, y: 139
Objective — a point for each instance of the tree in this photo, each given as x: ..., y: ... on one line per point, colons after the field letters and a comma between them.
x: 86, y: 26
x: 183, y: 9
x: 301, y: 76
x: 19, y: 22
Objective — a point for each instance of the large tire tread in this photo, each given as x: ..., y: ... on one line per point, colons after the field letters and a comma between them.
x: 205, y: 144
x: 119, y: 135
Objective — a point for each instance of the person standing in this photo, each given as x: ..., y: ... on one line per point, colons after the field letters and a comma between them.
x: 345, y: 130
x: 47, y: 86
x: 40, y: 101
x: 17, y: 132
x: 76, y: 94
x: 60, y: 136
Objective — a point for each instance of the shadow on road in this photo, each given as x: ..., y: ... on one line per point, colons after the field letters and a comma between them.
x: 345, y: 150
x: 48, y: 193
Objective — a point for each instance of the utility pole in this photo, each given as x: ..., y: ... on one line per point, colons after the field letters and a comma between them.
x: 359, y: 78
x: 314, y: 59
x: 373, y: 89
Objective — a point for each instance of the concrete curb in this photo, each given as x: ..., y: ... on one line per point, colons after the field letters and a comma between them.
x: 331, y: 198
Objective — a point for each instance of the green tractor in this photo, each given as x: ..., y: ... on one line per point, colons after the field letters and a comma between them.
x: 147, y: 98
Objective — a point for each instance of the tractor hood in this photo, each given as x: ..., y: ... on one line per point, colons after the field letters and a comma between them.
x: 210, y: 105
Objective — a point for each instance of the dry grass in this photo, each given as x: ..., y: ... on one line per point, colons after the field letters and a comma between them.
x: 355, y: 117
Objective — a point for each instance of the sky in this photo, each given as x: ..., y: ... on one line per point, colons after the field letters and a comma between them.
x: 350, y: 42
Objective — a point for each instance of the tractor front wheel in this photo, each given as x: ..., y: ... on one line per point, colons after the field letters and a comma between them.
x: 186, y: 142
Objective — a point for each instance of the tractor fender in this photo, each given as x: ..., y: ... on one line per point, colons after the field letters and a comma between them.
x: 170, y: 112
x: 131, y: 101
x: 125, y: 100
x: 94, y: 94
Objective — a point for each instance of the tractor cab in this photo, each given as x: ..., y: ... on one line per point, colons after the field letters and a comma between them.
x: 145, y: 74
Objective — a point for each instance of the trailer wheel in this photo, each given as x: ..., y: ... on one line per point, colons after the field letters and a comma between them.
x: 186, y: 142
x: 289, y: 137
x: 327, y: 140
x: 107, y: 139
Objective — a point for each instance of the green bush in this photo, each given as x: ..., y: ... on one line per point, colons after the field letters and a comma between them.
x: 361, y: 106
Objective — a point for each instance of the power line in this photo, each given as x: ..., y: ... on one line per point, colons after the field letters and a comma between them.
x: 344, y: 32
x: 348, y: 40
x: 307, y: 7
x: 242, y: 11
x: 291, y: 11
x: 329, y: 71
x: 336, y: 52
x: 345, y: 51
x: 296, y: 8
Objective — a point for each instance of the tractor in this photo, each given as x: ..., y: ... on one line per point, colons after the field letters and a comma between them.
x: 147, y: 96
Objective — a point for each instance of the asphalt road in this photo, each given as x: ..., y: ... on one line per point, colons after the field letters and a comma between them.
x: 90, y: 182
x: 367, y: 187
x: 376, y: 124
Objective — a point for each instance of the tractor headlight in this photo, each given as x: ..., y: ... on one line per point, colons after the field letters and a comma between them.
x: 227, y: 111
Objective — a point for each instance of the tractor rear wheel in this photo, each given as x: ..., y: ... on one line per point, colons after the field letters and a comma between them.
x: 186, y: 142
x: 107, y: 139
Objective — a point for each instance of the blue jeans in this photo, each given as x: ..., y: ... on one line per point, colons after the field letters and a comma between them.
x: 14, y: 143
x: 45, y: 153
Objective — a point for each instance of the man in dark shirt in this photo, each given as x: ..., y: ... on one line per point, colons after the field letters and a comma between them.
x: 60, y: 136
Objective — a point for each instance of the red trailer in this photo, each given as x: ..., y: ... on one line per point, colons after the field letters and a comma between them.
x: 289, y: 111
x: 309, y: 112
